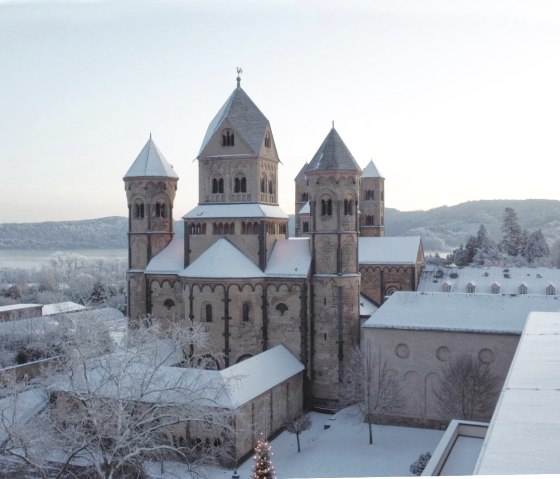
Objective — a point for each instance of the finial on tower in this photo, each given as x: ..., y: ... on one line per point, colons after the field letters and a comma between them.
x: 333, y: 124
x: 239, y: 72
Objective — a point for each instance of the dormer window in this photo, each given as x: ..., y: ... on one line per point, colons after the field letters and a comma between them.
x: 551, y: 290
x: 471, y: 288
x: 495, y: 288
x: 267, y: 141
x: 522, y: 289
x: 227, y: 138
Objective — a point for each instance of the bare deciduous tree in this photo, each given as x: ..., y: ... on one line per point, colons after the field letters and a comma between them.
x: 115, y: 412
x: 372, y: 385
x: 467, y: 389
x: 297, y: 426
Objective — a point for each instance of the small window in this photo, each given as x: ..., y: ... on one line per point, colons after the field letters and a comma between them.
x: 169, y: 303
x: 246, y: 311
x: 282, y: 308
x: 208, y: 313
x: 551, y: 290
x: 263, y: 184
x: 267, y: 141
x: 370, y: 220
x: 228, y: 138
x: 304, y: 197
x: 348, y: 210
x: 217, y: 185
x: 160, y: 210
x: 139, y: 210
x: 326, y: 207
x: 471, y: 288
x: 523, y: 289
x: 446, y: 287
x: 495, y: 288
x: 305, y: 226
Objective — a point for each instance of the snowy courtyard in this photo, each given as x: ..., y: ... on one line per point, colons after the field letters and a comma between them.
x: 336, y: 446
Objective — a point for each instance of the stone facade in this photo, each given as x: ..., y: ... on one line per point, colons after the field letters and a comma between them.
x: 306, y: 296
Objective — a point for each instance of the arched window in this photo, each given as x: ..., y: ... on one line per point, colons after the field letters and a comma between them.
x: 246, y: 311
x: 263, y: 184
x: 227, y: 138
x: 240, y: 185
x: 326, y: 207
x: 370, y: 220
x: 271, y: 186
x: 169, y: 303
x: 221, y: 185
x: 217, y: 185
x: 267, y: 141
x: 160, y: 210
x: 304, y: 197
x: 306, y: 226
x: 208, y: 313
x: 281, y: 308
x: 139, y: 210
x: 348, y: 210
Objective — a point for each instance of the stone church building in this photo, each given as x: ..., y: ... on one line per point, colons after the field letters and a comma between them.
x: 233, y: 266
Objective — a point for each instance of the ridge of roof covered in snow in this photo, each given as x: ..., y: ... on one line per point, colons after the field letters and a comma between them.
x: 524, y: 433
x: 371, y: 171
x: 333, y: 154
x: 63, y: 307
x: 290, y: 258
x: 305, y: 209
x: 246, y: 118
x: 489, y: 313
x: 222, y: 260
x: 235, y: 210
x: 509, y: 280
x: 171, y: 259
x: 150, y: 163
x: 389, y: 250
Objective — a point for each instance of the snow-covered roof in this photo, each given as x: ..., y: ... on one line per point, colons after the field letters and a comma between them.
x: 489, y: 313
x: 171, y: 259
x: 244, y: 115
x: 64, y: 307
x: 236, y: 210
x: 21, y: 408
x: 524, y: 434
x: 15, y: 307
x: 305, y: 209
x: 290, y: 258
x: 150, y: 163
x: 333, y: 154
x: 367, y: 307
x: 509, y: 280
x: 222, y: 260
x: 389, y: 250
x: 228, y: 388
x: 371, y: 171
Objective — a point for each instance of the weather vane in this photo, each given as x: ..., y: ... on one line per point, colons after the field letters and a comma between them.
x: 239, y: 72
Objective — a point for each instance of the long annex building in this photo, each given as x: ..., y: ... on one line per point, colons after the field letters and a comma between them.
x: 234, y: 268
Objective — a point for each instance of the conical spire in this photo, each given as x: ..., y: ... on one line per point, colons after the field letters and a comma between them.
x: 150, y: 163
x: 371, y: 171
x: 245, y: 117
x: 333, y: 154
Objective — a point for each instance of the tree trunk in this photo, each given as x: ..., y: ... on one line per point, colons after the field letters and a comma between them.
x: 370, y: 430
x: 298, y: 448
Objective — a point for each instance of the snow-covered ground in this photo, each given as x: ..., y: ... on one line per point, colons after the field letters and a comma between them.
x: 342, y: 450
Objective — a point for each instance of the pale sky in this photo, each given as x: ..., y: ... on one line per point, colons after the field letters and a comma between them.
x: 453, y: 100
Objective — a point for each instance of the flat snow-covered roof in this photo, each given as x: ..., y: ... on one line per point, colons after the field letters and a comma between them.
x: 524, y: 434
x: 236, y: 210
x: 15, y: 307
x: 389, y: 250
x: 459, y: 312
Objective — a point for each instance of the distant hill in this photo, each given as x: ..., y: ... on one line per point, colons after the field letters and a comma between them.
x: 447, y: 227
x: 441, y: 229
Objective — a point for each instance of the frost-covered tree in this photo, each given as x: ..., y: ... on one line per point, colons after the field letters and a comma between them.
x: 512, y: 234
x: 536, y: 247
x: 297, y: 426
x: 486, y: 248
x: 418, y: 466
x: 371, y: 385
x: 467, y: 389
x: 114, y: 412
x: 262, y: 467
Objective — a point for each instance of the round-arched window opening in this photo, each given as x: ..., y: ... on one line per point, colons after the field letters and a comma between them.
x: 486, y: 356
x: 402, y: 350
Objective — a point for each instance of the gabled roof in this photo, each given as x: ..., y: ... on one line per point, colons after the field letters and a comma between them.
x: 246, y: 118
x: 290, y: 258
x: 333, y: 154
x: 371, y: 171
x: 305, y: 209
x: 150, y: 163
x: 389, y: 249
x: 171, y: 259
x: 222, y: 260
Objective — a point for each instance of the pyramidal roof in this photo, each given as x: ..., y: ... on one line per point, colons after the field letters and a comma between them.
x: 222, y: 260
x: 333, y: 154
x: 150, y: 163
x: 370, y: 171
x: 301, y: 175
x: 246, y: 118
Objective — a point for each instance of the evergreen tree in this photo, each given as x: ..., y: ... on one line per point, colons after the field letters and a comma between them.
x: 536, y: 246
x: 262, y: 468
x: 512, y: 234
x: 486, y: 247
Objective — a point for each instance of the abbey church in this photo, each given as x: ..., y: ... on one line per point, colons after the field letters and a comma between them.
x: 233, y: 266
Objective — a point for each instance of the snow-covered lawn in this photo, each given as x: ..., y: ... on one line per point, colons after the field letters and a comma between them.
x: 342, y: 450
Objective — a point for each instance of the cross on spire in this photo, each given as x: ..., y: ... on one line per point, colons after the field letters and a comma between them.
x: 239, y: 72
